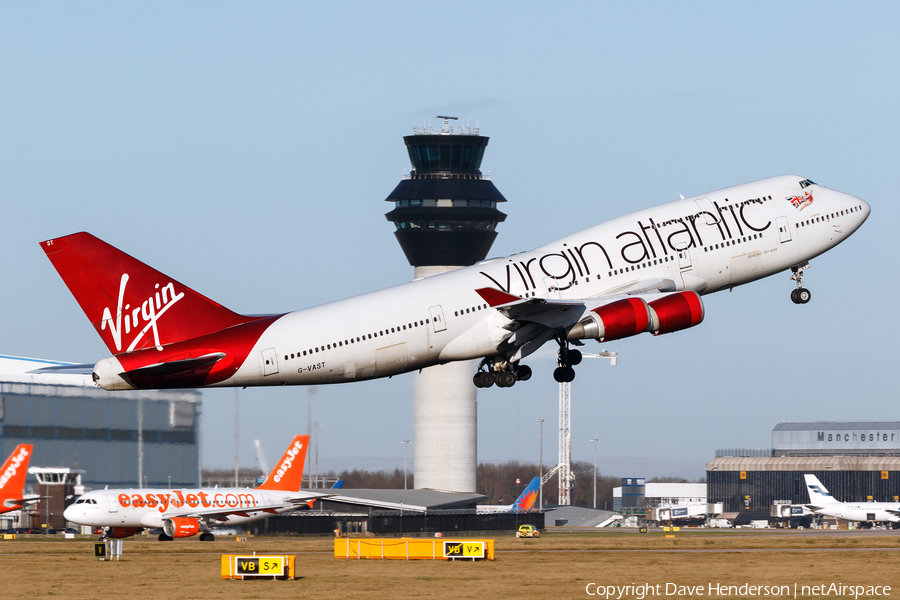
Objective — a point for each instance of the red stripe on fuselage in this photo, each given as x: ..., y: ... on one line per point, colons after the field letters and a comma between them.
x: 236, y: 342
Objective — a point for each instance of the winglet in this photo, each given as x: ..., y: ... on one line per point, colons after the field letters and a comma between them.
x: 495, y: 297
x: 288, y: 473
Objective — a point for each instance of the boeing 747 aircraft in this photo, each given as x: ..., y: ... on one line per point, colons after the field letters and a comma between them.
x: 642, y: 272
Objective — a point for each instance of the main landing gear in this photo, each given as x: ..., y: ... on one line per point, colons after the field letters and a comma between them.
x: 488, y: 374
x: 568, y: 358
x: 207, y: 537
x: 801, y: 295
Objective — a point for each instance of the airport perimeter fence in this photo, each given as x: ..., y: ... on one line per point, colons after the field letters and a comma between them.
x: 388, y: 522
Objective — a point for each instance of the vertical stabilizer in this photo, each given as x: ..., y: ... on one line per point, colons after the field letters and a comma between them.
x: 131, y: 305
x: 288, y: 473
x: 525, y: 502
x: 817, y: 492
x: 12, y: 475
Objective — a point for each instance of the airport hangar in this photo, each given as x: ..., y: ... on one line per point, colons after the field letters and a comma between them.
x: 858, y: 461
x: 85, y: 437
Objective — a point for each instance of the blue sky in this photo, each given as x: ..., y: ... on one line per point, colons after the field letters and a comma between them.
x: 246, y: 150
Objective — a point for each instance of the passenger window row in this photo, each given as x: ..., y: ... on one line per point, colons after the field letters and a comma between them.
x: 826, y: 217
x: 457, y: 313
x: 733, y: 242
x: 643, y: 265
x: 360, y: 339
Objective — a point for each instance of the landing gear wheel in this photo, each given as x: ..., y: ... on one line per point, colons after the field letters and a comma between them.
x: 523, y: 373
x: 801, y: 295
x: 165, y: 538
x: 207, y: 537
x: 506, y: 379
x: 573, y: 357
x: 564, y: 374
x: 483, y: 379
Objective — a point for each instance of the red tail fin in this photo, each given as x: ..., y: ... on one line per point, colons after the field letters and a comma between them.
x: 288, y: 473
x: 131, y: 305
x: 13, y: 472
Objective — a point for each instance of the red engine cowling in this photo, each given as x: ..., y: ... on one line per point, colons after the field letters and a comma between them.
x: 676, y: 312
x: 181, y: 527
x: 613, y: 321
x: 122, y: 532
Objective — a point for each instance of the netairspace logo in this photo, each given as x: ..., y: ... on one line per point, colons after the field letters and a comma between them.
x: 746, y: 590
x: 14, y: 464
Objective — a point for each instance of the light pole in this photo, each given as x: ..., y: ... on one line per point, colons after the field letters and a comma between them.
x: 541, y: 493
x: 406, y: 444
x: 595, y: 472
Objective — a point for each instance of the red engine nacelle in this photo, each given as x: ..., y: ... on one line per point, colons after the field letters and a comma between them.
x: 181, y: 527
x: 631, y: 316
x: 122, y: 532
x: 613, y: 321
x: 676, y: 312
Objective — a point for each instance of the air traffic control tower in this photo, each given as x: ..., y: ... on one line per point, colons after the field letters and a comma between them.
x: 446, y: 216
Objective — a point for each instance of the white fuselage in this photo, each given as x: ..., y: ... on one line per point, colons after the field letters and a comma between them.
x: 861, y: 511
x: 705, y: 244
x: 149, y: 507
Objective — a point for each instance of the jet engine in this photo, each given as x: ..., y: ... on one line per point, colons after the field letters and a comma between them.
x: 631, y: 316
x: 180, y: 527
x: 676, y: 312
x: 122, y: 532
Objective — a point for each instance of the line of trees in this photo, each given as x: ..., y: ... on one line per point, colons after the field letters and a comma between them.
x: 497, y: 481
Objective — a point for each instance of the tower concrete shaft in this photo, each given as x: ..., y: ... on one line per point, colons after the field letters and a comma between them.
x: 445, y: 214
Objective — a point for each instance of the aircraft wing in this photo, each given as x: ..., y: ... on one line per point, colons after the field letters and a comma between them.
x: 222, y: 514
x: 538, y: 320
x: 896, y: 513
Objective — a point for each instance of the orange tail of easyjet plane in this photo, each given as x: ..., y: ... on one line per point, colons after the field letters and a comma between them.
x: 288, y: 473
x: 131, y: 305
x: 12, y: 478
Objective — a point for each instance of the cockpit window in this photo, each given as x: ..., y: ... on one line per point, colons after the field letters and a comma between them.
x: 806, y: 183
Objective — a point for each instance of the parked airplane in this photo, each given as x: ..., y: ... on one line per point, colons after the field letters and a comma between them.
x: 643, y: 272
x: 823, y: 503
x: 186, y: 512
x: 12, y: 480
x: 524, y: 503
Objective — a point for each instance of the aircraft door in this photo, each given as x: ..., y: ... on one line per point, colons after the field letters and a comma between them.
x: 112, y: 502
x: 684, y: 259
x: 437, y: 318
x: 270, y: 362
x: 552, y: 287
x: 784, y: 229
x: 708, y: 212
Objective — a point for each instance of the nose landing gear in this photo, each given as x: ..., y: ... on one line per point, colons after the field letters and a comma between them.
x: 801, y: 295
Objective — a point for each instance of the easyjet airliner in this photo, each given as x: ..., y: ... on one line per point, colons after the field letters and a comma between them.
x: 186, y: 512
x: 642, y: 272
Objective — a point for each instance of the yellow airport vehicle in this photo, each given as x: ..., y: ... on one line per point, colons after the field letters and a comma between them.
x: 528, y: 531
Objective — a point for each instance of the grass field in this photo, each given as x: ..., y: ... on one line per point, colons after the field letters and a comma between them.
x: 558, y: 565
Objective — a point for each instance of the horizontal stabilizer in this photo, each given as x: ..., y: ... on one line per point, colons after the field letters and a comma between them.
x: 173, y: 373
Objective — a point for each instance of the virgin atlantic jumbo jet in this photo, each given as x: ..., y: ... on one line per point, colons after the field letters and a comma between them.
x: 642, y: 272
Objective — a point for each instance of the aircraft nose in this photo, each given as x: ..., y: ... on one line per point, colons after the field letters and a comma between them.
x: 70, y: 513
x: 866, y: 209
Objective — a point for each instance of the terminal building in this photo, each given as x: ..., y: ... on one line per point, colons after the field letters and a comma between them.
x: 858, y: 461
